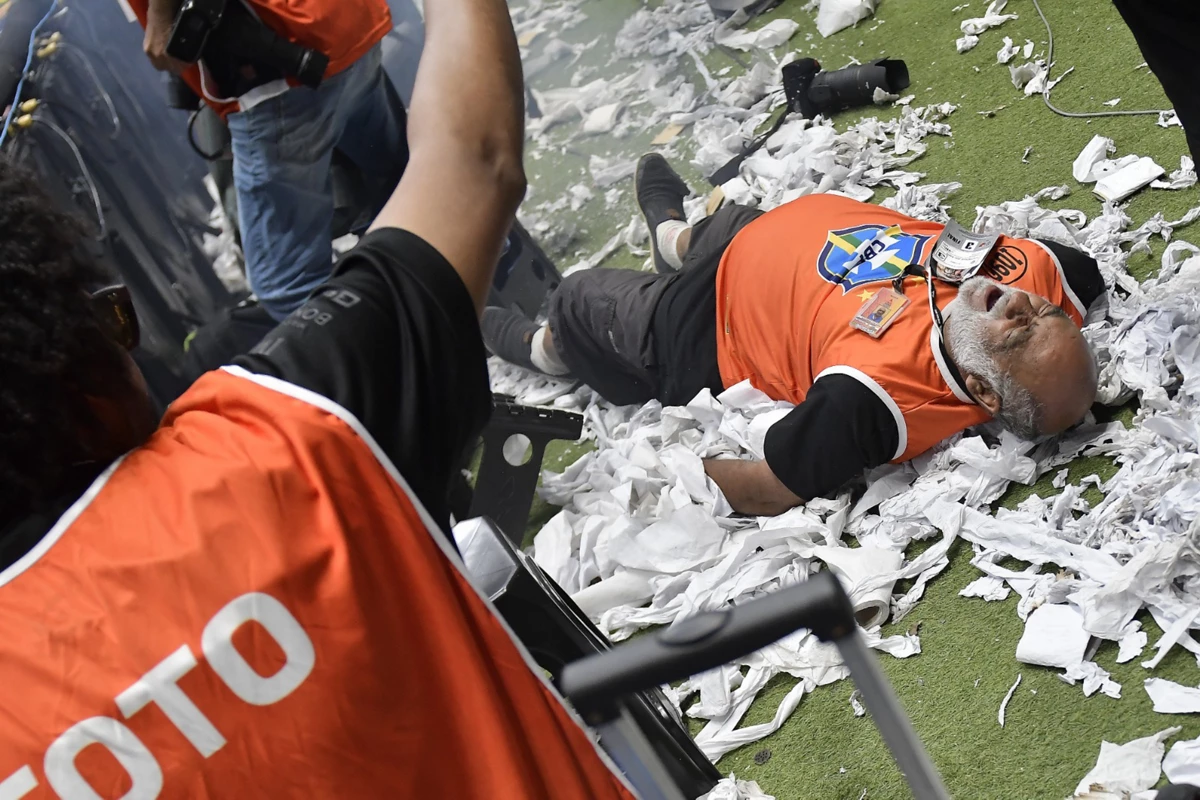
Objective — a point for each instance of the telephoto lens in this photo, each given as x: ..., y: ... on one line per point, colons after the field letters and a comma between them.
x: 811, y: 92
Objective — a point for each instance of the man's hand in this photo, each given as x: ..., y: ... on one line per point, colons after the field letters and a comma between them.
x: 160, y: 17
x: 751, y: 487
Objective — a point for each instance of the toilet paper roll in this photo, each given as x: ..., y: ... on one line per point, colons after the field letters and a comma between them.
x: 853, y: 566
x: 622, y: 589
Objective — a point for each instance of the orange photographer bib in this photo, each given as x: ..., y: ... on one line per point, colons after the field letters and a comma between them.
x: 254, y: 604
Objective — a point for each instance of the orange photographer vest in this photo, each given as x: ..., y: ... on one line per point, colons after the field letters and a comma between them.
x: 344, y: 30
x: 786, y: 293
x: 254, y: 604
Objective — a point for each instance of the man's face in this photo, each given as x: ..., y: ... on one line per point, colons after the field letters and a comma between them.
x: 1027, y: 339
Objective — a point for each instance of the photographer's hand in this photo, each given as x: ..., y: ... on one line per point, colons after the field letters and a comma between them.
x: 160, y: 17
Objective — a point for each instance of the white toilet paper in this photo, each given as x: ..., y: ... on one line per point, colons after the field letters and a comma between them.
x: 623, y: 588
x: 1085, y: 163
x: 1054, y: 637
x: 854, y: 566
x: 1124, y: 182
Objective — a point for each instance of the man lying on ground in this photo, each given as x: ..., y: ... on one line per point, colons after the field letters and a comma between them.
x: 259, y: 598
x: 824, y: 302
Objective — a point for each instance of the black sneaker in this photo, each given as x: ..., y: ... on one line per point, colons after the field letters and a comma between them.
x: 660, y: 194
x: 509, y: 335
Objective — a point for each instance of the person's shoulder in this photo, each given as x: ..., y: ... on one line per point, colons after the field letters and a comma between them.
x: 398, y: 256
x: 395, y: 247
x: 232, y: 416
x: 1080, y: 272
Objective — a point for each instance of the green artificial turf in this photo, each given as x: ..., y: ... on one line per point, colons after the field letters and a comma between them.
x: 953, y: 689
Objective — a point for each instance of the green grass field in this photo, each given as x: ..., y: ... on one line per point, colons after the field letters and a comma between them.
x: 954, y: 688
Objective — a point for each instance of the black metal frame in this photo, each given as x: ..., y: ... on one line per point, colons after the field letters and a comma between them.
x: 504, y: 492
x: 598, y: 685
x: 557, y: 633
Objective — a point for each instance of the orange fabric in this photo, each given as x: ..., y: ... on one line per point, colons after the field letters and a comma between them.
x: 344, y: 30
x: 415, y: 689
x: 783, y: 319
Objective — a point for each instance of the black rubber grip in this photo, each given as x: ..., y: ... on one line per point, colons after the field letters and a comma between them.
x: 708, y: 640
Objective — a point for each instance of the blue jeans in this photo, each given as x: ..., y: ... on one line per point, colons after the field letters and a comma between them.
x: 282, y: 149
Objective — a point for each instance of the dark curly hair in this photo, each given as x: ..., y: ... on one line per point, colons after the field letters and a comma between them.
x: 52, y: 344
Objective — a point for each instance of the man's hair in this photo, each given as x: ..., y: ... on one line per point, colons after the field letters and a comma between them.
x: 1020, y: 411
x: 51, y: 343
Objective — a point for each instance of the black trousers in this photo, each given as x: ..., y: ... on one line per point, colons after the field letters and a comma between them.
x: 603, y: 320
x: 1167, y: 32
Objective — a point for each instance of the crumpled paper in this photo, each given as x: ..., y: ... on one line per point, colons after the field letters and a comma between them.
x: 836, y: 15
x: 1182, y: 178
x: 771, y: 35
x: 1083, y: 170
x: 1007, y: 699
x: 1007, y: 51
x: 1124, y: 769
x: 1095, y: 679
x: 990, y: 19
x: 1169, y: 697
x: 1054, y: 637
x: 1182, y: 764
x: 733, y: 789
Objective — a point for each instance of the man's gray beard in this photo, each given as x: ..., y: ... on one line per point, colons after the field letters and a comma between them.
x: 964, y: 331
x: 965, y: 339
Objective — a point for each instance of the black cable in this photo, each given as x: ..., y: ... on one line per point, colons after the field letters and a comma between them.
x: 192, y: 139
x: 1077, y: 114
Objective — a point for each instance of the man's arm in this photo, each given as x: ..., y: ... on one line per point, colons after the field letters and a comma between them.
x: 394, y: 336
x: 466, y: 132
x: 751, y: 487
x: 842, y: 428
x: 160, y: 16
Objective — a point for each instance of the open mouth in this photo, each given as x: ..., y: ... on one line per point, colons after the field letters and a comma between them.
x: 992, y: 297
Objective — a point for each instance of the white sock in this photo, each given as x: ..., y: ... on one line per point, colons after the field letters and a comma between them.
x: 666, y: 236
x: 543, y: 357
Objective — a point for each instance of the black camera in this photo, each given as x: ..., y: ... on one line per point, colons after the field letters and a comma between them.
x: 239, y: 49
x: 810, y: 91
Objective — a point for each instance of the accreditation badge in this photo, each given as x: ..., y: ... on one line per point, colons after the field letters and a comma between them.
x: 879, y: 312
x: 959, y: 254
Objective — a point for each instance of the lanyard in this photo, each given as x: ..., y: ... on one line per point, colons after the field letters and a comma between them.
x: 916, y: 270
x: 939, y: 322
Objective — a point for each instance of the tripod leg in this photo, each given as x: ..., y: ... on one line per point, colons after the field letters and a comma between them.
x: 891, y: 720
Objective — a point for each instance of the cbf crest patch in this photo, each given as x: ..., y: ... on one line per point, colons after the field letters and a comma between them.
x: 863, y: 254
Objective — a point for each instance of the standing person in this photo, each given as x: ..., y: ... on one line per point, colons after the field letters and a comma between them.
x: 283, y: 135
x: 260, y: 598
x: 1165, y: 31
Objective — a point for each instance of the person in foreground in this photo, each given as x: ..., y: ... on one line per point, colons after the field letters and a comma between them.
x: 823, y: 302
x: 259, y: 597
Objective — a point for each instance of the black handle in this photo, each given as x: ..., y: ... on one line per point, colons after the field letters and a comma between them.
x: 706, y: 641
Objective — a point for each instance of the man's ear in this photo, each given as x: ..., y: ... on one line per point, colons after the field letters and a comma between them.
x: 984, y: 394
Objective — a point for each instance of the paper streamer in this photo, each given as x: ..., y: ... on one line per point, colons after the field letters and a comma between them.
x: 622, y: 589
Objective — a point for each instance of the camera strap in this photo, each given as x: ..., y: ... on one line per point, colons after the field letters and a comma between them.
x: 731, y: 168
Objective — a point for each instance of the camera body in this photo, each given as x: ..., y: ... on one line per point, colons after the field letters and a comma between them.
x: 231, y: 39
x: 194, y: 23
x: 810, y: 91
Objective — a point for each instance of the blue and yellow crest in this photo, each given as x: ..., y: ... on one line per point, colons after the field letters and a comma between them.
x: 837, y: 264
